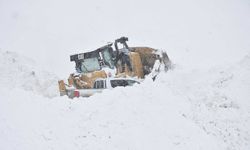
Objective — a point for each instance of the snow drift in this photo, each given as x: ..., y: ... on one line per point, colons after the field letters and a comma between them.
x: 21, y: 72
x: 202, y: 104
x: 199, y: 109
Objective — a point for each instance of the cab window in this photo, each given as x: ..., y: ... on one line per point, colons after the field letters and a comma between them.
x: 131, y: 82
x: 90, y: 65
x: 115, y: 83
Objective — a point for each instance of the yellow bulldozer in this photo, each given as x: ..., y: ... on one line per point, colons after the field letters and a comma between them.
x: 121, y: 65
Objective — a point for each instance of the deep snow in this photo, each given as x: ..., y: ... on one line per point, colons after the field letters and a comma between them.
x: 202, y: 103
x: 196, y: 109
x: 22, y: 72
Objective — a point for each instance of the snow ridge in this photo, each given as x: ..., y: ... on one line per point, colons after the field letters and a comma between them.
x: 21, y: 72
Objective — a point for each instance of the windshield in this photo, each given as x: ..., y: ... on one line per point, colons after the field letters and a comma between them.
x: 90, y: 65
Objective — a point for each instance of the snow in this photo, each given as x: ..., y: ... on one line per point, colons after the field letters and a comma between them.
x: 201, y: 103
x: 21, y: 72
x: 200, y: 109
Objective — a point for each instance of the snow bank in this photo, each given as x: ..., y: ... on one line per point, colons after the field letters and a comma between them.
x: 219, y: 99
x: 21, y: 72
x: 194, y: 106
x: 97, y: 123
x: 196, y: 109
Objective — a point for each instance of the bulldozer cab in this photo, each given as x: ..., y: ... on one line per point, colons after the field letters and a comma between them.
x: 141, y: 59
x: 94, y: 60
x: 93, y: 65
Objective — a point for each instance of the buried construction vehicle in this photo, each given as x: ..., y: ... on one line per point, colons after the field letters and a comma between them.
x: 105, y: 67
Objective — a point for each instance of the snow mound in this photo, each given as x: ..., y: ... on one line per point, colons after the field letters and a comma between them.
x: 196, y: 109
x: 134, y: 121
x: 219, y: 99
x: 21, y: 72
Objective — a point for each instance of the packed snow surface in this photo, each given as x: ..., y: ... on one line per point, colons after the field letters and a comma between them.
x: 202, y: 103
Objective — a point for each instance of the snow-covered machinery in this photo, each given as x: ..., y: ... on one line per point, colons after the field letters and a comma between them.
x: 106, y: 61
